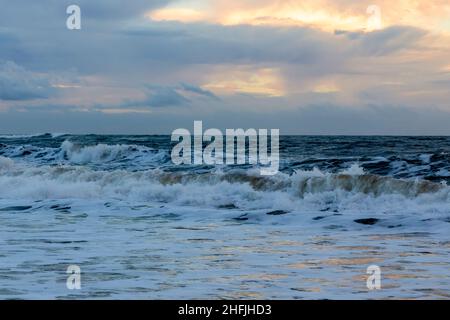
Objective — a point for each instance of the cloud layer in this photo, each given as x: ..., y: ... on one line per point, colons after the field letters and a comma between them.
x: 180, y: 60
x: 16, y: 83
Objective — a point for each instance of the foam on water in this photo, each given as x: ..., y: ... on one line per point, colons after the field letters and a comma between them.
x: 103, y: 155
x: 314, y: 190
x: 140, y: 227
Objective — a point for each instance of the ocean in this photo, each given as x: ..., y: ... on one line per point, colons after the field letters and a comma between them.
x: 140, y: 227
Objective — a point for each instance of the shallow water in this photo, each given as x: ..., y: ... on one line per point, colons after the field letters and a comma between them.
x: 141, y: 228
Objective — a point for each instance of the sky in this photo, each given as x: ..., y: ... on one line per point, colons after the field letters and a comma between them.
x: 339, y: 67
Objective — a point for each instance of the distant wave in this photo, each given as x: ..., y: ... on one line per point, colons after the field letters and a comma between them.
x: 102, y: 153
x: 23, y: 136
x: 109, y: 153
x: 27, y: 136
x: 72, y: 153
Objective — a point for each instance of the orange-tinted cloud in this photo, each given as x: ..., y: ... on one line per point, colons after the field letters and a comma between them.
x: 328, y: 15
x: 228, y: 80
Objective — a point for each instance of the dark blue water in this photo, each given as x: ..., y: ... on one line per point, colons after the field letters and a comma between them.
x: 399, y: 157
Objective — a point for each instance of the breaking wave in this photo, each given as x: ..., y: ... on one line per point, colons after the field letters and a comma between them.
x: 73, y: 154
x: 102, y: 153
x: 23, y: 136
x: 351, y: 189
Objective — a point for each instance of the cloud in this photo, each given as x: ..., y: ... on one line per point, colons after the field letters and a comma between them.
x: 159, y: 96
x: 248, y: 80
x: 114, y: 9
x: 327, y: 15
x: 207, y: 65
x: 311, y: 120
x: 390, y: 40
x: 17, y: 83
x: 197, y: 90
x: 52, y: 13
x: 164, y: 47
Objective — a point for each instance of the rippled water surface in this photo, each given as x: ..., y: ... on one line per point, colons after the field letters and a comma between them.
x: 140, y: 227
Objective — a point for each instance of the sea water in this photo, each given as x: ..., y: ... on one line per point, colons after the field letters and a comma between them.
x: 140, y: 227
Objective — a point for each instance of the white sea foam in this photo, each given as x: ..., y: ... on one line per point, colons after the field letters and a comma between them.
x: 99, y: 154
x: 6, y: 163
x: 354, y: 169
x: 57, y: 134
x: 303, y: 191
x: 104, y: 207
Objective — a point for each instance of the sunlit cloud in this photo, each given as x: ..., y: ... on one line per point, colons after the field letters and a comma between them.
x: 178, y: 14
x: 326, y: 88
x: 327, y: 15
x: 65, y: 86
x: 227, y: 80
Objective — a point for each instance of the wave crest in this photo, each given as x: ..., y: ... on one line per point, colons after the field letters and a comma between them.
x: 315, y: 181
x: 304, y: 191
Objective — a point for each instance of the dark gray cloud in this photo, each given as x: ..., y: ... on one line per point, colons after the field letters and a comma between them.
x: 117, y: 9
x: 197, y: 90
x: 390, y: 40
x: 158, y: 96
x: 52, y: 13
x: 108, y: 45
x: 17, y: 83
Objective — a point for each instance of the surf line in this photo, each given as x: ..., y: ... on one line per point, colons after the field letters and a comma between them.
x: 235, y: 147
